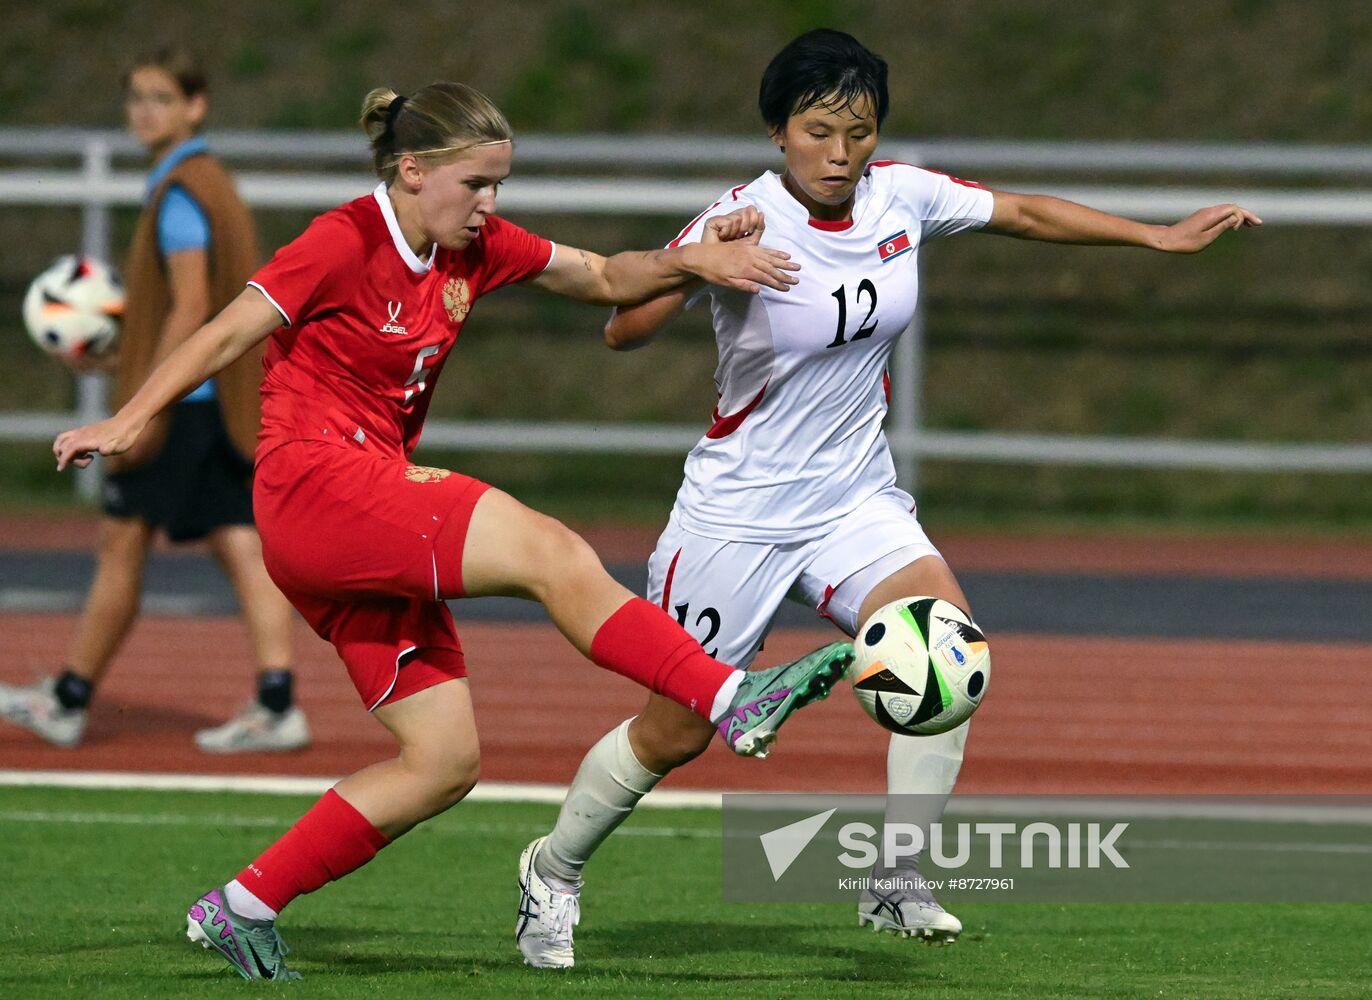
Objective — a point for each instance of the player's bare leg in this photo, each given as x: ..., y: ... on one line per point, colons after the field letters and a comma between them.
x: 925, y: 577
x: 664, y: 735
x: 112, y: 602
x: 512, y: 550
x: 438, y: 764
x: 55, y: 707
x: 265, y: 610
x: 920, y: 773
x: 271, y: 721
x: 515, y: 551
x: 436, y: 767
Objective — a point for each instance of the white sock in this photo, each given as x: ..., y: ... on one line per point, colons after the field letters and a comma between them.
x: 245, y: 904
x: 920, y: 774
x: 606, y: 788
x: 725, y: 696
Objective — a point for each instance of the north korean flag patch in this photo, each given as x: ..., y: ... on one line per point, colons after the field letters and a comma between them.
x: 893, y: 246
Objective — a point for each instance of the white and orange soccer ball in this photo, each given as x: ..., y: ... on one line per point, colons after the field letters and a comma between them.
x: 73, y: 308
x: 921, y: 667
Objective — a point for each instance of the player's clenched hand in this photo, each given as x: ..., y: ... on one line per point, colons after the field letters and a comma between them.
x: 108, y: 437
x: 1199, y: 229
x: 742, y: 265
x: 747, y: 223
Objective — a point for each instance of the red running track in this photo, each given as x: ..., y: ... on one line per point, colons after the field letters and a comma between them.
x: 1063, y: 715
x: 1235, y: 555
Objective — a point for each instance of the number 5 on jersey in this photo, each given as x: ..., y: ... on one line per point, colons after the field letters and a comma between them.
x: 420, y: 374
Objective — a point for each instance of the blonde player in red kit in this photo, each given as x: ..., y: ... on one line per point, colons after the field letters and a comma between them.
x: 792, y: 492
x: 363, y: 309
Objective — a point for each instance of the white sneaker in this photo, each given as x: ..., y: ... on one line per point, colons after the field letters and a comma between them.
x: 256, y: 728
x: 909, y: 910
x: 546, y: 917
x: 36, y: 707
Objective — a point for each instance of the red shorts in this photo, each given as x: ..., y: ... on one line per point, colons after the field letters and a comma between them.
x: 367, y: 547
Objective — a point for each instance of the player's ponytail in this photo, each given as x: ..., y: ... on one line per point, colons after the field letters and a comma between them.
x: 375, y: 112
x: 441, y: 119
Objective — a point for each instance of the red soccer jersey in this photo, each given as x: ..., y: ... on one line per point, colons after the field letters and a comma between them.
x: 369, y: 326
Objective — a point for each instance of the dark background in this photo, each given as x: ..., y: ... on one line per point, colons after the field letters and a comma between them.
x: 1264, y: 337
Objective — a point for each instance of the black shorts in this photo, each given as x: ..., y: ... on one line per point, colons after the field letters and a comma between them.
x: 198, y: 482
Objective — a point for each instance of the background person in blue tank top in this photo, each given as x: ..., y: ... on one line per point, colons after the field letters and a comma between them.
x: 197, y: 484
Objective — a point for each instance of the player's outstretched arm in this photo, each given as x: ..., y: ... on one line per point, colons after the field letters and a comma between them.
x: 223, y: 340
x: 636, y: 276
x: 631, y: 327
x: 1054, y: 220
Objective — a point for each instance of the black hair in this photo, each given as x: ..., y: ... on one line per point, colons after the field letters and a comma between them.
x: 826, y: 67
x: 178, y: 62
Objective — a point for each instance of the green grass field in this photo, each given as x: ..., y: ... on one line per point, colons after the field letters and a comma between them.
x: 96, y: 884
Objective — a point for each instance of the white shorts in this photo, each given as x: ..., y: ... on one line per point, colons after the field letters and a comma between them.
x: 726, y: 593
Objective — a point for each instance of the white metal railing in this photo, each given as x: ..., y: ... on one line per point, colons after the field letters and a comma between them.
x: 713, y: 152
x: 338, y: 164
x: 638, y: 196
x: 978, y: 446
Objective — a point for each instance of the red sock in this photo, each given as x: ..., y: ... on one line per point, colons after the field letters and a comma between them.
x: 641, y: 642
x: 326, y: 843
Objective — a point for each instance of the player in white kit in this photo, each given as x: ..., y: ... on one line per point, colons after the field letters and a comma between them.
x: 792, y: 492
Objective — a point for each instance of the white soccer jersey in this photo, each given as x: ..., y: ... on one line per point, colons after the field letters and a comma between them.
x: 797, y: 441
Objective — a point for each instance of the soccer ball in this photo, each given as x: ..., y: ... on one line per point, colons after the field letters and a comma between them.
x: 921, y: 666
x: 73, y: 307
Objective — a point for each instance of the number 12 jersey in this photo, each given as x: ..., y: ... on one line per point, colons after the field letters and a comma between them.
x: 797, y: 441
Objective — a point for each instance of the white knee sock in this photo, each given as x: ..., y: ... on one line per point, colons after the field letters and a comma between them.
x: 606, y: 788
x: 920, y: 774
x: 925, y: 765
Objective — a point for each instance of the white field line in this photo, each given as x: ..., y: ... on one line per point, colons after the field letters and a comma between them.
x: 445, y: 828
x: 1319, y: 810
x: 1313, y: 847
x: 489, y: 791
x: 457, y: 829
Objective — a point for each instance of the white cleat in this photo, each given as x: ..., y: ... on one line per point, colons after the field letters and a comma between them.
x: 36, y: 708
x: 546, y: 917
x: 256, y: 728
x: 910, y: 911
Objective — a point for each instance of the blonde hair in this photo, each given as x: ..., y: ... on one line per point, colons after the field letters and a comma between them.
x: 442, y: 118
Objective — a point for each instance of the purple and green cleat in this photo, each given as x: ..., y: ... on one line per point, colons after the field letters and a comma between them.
x: 766, y: 698
x: 252, y: 947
